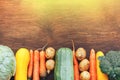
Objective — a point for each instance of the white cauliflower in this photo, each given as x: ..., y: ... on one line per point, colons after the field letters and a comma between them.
x: 7, y: 63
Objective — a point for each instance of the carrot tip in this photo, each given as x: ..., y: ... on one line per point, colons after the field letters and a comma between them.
x: 31, y: 50
x: 92, y: 51
x: 36, y: 51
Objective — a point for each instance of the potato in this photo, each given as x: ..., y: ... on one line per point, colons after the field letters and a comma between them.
x: 84, y: 65
x: 80, y: 54
x: 85, y: 75
x: 50, y: 53
x: 50, y: 64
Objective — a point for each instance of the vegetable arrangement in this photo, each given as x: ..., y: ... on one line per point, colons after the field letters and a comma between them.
x: 32, y: 64
x: 66, y: 64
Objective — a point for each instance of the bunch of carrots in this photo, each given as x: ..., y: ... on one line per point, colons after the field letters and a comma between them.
x: 37, y: 65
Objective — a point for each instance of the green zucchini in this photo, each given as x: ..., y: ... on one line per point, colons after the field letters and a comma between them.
x: 64, y: 65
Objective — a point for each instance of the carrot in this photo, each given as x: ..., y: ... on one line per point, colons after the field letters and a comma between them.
x: 30, y: 66
x: 36, y: 65
x: 92, y: 58
x: 43, y: 71
x: 76, y: 67
x: 42, y: 64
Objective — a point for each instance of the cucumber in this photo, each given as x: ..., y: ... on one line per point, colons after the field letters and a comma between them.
x: 64, y: 64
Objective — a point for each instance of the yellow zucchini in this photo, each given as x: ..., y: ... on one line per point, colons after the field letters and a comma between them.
x: 100, y: 74
x: 22, y: 61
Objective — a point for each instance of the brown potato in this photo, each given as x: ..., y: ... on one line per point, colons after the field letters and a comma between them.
x: 50, y: 53
x: 84, y: 65
x: 85, y: 75
x: 80, y: 54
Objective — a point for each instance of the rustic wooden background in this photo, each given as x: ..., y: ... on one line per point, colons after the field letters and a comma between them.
x: 29, y: 25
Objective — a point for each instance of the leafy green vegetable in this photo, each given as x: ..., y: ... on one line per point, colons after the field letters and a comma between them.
x: 110, y: 64
x: 7, y: 63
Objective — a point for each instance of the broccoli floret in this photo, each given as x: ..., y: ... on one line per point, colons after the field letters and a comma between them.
x: 110, y: 64
x: 117, y: 71
x: 113, y: 57
x: 105, y: 65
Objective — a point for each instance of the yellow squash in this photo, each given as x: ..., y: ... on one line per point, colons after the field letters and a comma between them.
x: 22, y: 61
x: 100, y: 74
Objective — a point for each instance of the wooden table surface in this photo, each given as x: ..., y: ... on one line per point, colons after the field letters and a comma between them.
x: 91, y: 24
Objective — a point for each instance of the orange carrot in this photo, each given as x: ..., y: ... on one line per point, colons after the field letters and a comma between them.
x: 30, y: 66
x: 42, y: 64
x: 92, y: 58
x: 36, y: 65
x: 43, y: 71
x: 76, y: 67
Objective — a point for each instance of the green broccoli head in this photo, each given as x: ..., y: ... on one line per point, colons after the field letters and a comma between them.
x: 113, y: 57
x: 105, y: 65
x: 110, y: 64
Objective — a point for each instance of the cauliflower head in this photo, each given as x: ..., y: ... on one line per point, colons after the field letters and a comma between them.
x: 7, y: 63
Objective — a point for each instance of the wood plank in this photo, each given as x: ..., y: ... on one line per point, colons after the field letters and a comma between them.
x: 22, y: 28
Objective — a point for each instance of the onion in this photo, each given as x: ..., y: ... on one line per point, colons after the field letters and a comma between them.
x: 50, y: 64
x: 50, y: 53
x: 84, y: 65
x: 80, y: 53
x: 85, y: 75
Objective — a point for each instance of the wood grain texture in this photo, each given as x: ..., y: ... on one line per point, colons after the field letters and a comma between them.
x: 98, y: 28
x: 21, y: 28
